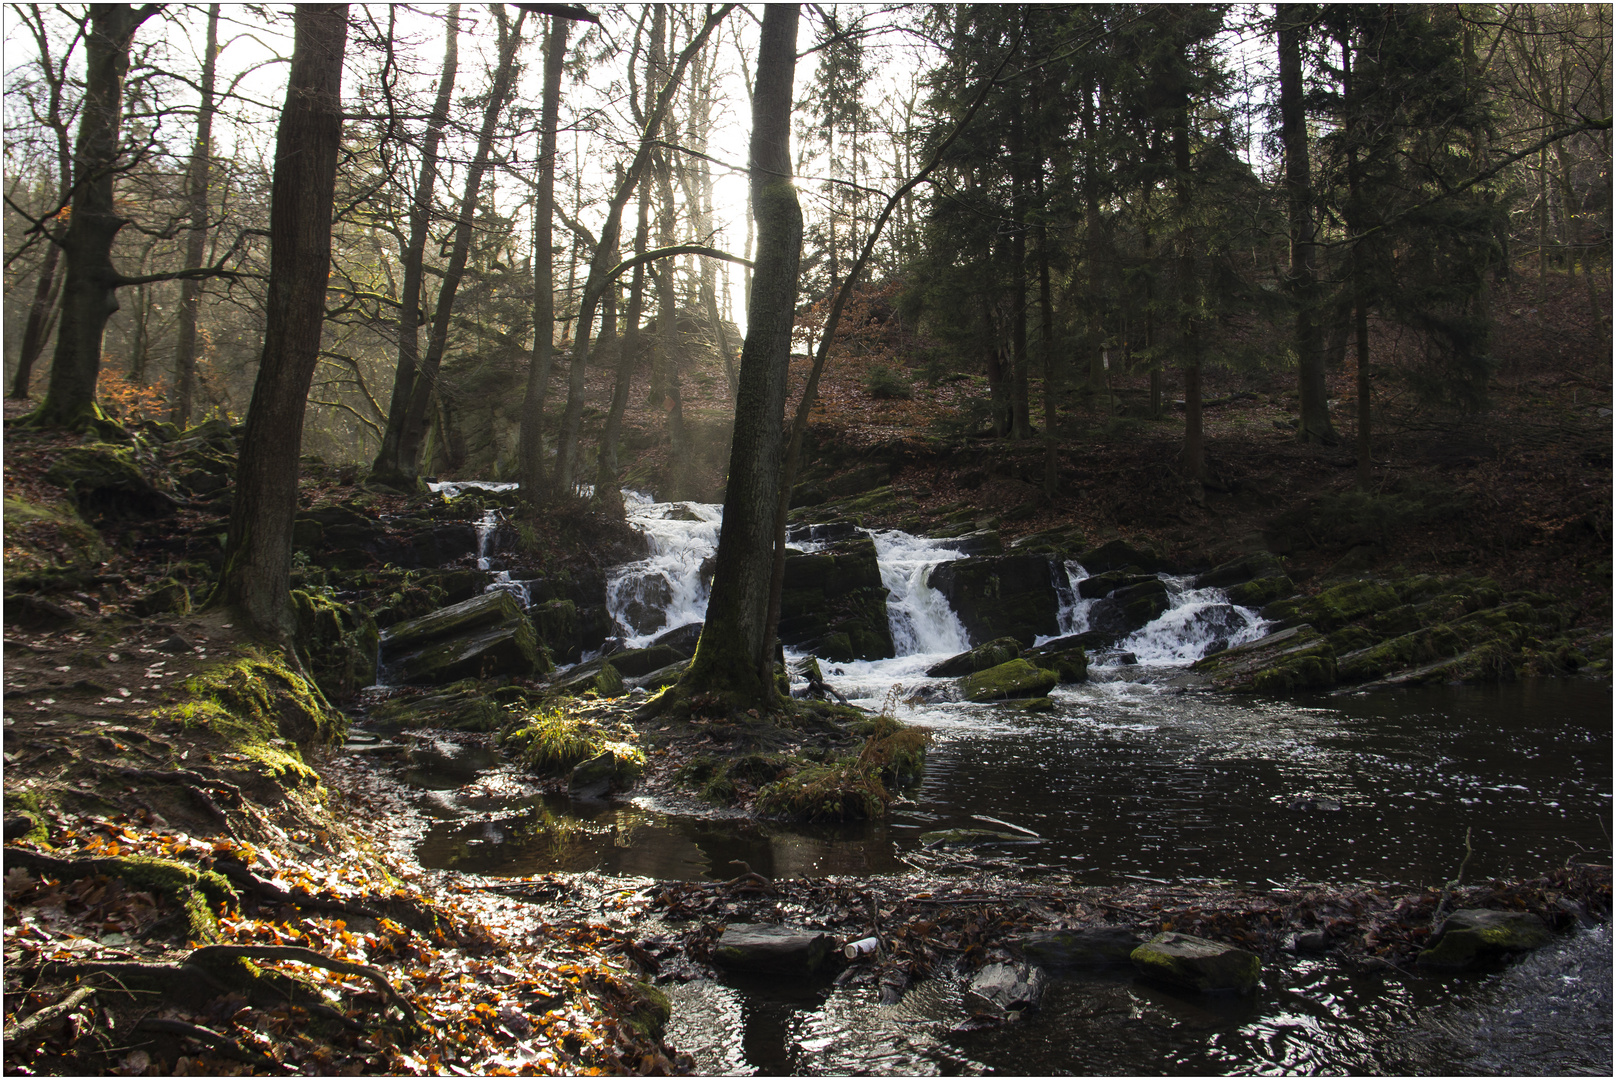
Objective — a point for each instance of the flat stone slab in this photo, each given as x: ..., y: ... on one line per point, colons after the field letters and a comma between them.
x: 772, y: 948
x: 1472, y: 934
x: 1089, y: 947
x: 1007, y: 988
x: 1197, y: 963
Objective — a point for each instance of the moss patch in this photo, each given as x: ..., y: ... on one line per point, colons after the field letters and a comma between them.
x: 551, y: 742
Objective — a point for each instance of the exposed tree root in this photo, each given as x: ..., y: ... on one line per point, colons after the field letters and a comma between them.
x: 214, y: 1041
x: 209, y: 953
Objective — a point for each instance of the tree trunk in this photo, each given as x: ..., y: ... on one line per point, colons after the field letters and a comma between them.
x: 1315, y: 426
x: 89, y: 288
x: 1360, y: 305
x: 1020, y: 405
x: 732, y: 658
x: 1046, y: 345
x: 601, y: 264
x: 1194, y: 456
x: 538, y: 372
x: 196, y: 183
x: 426, y: 378
x: 41, y: 317
x: 387, y: 464
x: 258, y: 553
x: 606, y: 479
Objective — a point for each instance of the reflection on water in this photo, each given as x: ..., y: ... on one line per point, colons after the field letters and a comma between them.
x: 1125, y: 781
x: 1309, y: 1017
x: 552, y: 832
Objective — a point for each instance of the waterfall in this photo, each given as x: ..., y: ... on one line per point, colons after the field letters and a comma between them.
x: 666, y: 589
x: 1195, y: 622
x: 920, y: 617
x: 485, y: 531
x: 1072, y: 614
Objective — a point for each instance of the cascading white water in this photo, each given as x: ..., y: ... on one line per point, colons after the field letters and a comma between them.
x: 485, y: 530
x: 665, y: 590
x: 1072, y: 614
x: 1196, y: 620
x: 920, y: 617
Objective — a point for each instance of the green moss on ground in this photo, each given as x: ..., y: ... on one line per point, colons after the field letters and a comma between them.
x: 552, y: 741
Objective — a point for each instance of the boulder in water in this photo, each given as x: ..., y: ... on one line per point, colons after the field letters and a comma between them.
x: 1013, y: 679
x: 1088, y: 947
x: 1197, y: 963
x: 1130, y: 608
x: 1007, y: 988
x: 992, y: 654
x: 1260, y: 592
x: 1473, y: 934
x: 681, y: 638
x: 834, y: 605
x: 772, y: 949
x: 1070, y: 664
x: 600, y: 775
x: 486, y: 635
x: 1101, y: 585
x: 1001, y: 596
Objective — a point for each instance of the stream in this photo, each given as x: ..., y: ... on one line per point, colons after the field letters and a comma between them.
x: 1129, y: 778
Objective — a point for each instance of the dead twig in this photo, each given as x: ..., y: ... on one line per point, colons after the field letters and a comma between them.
x: 27, y: 1026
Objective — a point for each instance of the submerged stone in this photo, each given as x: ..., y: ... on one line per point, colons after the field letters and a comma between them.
x: 1473, y: 934
x: 1007, y: 988
x: 772, y: 949
x: 1088, y: 947
x: 1197, y: 963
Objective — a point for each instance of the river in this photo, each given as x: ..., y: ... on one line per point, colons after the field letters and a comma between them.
x: 1130, y: 778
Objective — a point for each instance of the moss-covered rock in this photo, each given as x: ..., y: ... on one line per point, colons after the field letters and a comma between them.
x: 42, y: 537
x: 1197, y: 963
x: 469, y: 705
x: 256, y: 700
x: 1119, y: 554
x: 1470, y: 935
x: 1070, y: 663
x: 834, y: 605
x: 105, y: 483
x: 609, y: 682
x: 1251, y: 566
x: 1013, y: 679
x: 1259, y: 592
x: 340, y: 643
x: 992, y: 654
x: 556, y: 622
x: 484, y: 636
x: 1350, y: 600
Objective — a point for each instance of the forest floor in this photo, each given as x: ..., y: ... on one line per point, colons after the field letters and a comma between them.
x: 108, y: 970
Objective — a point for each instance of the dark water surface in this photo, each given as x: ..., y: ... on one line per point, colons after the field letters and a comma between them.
x: 1128, y: 781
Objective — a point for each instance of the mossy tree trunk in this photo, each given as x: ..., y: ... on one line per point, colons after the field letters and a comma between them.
x: 732, y: 659
x: 258, y: 552
x: 90, y: 284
